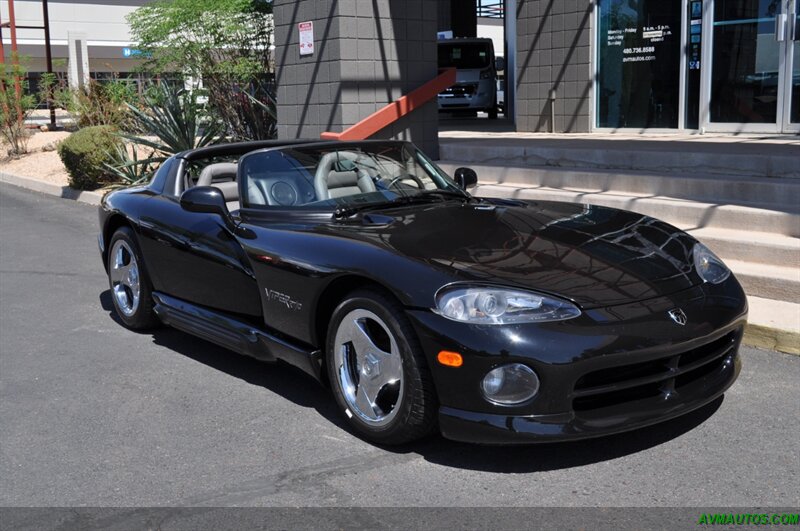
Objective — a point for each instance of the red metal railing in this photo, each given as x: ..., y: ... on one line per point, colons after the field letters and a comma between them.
x: 396, y: 110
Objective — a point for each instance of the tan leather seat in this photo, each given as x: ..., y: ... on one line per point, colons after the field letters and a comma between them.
x: 330, y: 183
x: 220, y: 172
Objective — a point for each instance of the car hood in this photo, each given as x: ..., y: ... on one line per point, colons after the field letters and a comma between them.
x: 594, y: 256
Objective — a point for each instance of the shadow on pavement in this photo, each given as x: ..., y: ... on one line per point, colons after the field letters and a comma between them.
x: 280, y: 378
x: 296, y: 386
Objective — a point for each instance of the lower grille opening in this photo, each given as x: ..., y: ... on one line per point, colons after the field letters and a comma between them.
x: 699, y: 373
x: 615, y: 398
x: 715, y: 347
x: 653, y: 378
x: 624, y: 373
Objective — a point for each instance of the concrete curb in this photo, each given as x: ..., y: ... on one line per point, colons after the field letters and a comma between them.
x: 65, y: 192
x: 755, y: 335
x: 761, y: 336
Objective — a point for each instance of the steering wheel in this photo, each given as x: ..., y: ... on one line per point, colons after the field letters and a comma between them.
x: 407, y: 177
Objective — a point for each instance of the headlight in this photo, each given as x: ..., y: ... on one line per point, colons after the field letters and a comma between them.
x: 496, y: 306
x: 708, y: 265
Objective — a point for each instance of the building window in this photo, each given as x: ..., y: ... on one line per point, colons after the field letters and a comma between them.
x: 638, y: 53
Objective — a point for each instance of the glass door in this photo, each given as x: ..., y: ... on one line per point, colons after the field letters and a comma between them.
x: 791, y: 121
x: 750, y: 69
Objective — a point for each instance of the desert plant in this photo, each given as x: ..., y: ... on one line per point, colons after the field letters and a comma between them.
x: 227, y: 44
x: 15, y: 106
x: 98, y: 103
x: 177, y: 121
x: 247, y: 112
x: 204, y: 38
x: 127, y: 167
x: 86, y: 154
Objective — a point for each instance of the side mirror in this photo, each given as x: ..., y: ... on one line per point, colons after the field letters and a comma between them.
x: 466, y: 178
x: 499, y: 63
x: 207, y: 200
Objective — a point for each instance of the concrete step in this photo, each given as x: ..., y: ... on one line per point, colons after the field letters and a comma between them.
x: 745, y: 159
x: 767, y: 281
x: 683, y: 213
x: 754, y: 247
x: 780, y: 193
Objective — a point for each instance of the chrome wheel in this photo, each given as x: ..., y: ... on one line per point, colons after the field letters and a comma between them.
x: 369, y: 367
x: 124, y: 274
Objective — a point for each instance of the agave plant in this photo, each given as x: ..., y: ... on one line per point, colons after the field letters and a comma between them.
x: 128, y: 168
x: 247, y: 110
x: 172, y: 121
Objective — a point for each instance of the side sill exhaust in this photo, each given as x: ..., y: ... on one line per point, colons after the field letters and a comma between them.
x: 235, y: 335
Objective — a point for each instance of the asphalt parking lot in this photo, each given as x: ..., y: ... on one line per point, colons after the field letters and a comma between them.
x: 93, y: 414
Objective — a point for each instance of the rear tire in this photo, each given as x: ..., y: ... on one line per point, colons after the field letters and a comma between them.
x: 131, y: 290
x: 377, y: 370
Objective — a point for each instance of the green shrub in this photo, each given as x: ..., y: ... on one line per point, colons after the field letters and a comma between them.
x: 86, y: 153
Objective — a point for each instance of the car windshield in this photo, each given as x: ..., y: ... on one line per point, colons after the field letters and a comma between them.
x: 464, y: 56
x: 345, y: 176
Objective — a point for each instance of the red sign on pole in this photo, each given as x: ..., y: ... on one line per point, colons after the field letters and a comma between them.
x: 306, y: 38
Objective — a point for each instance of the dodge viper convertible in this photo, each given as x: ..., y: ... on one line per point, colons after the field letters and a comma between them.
x: 421, y: 306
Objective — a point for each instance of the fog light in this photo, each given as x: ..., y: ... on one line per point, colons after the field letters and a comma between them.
x: 510, y: 384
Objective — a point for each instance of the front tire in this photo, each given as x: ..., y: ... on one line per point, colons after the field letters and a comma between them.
x: 377, y: 370
x: 131, y: 290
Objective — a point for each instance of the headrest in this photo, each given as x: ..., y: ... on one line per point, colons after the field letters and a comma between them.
x: 220, y: 170
x: 344, y: 165
x: 340, y: 179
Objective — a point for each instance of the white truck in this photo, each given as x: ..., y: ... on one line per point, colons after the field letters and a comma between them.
x: 476, y: 76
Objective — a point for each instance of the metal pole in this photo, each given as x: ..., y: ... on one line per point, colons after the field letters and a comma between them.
x: 14, y: 54
x: 2, y: 62
x: 49, y: 58
x: 2, y: 50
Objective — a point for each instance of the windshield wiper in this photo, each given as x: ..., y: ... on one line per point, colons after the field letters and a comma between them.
x: 464, y: 196
x: 429, y: 196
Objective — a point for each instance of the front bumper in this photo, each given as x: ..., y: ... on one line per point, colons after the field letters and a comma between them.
x: 487, y: 428
x: 608, y: 371
x: 467, y: 97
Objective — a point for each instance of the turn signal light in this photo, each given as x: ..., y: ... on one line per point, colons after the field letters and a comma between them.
x: 450, y: 359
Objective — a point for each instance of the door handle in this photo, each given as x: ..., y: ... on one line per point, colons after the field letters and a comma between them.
x: 780, y: 27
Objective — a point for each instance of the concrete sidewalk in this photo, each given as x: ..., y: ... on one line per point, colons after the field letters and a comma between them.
x: 773, y: 325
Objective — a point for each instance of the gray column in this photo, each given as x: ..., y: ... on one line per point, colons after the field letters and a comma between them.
x: 553, y: 53
x: 367, y: 54
x: 78, y: 74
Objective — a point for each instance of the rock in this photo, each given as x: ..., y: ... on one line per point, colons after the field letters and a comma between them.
x: 50, y: 146
x: 44, y: 128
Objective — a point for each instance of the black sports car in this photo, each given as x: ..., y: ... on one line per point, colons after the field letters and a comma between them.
x: 423, y: 307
